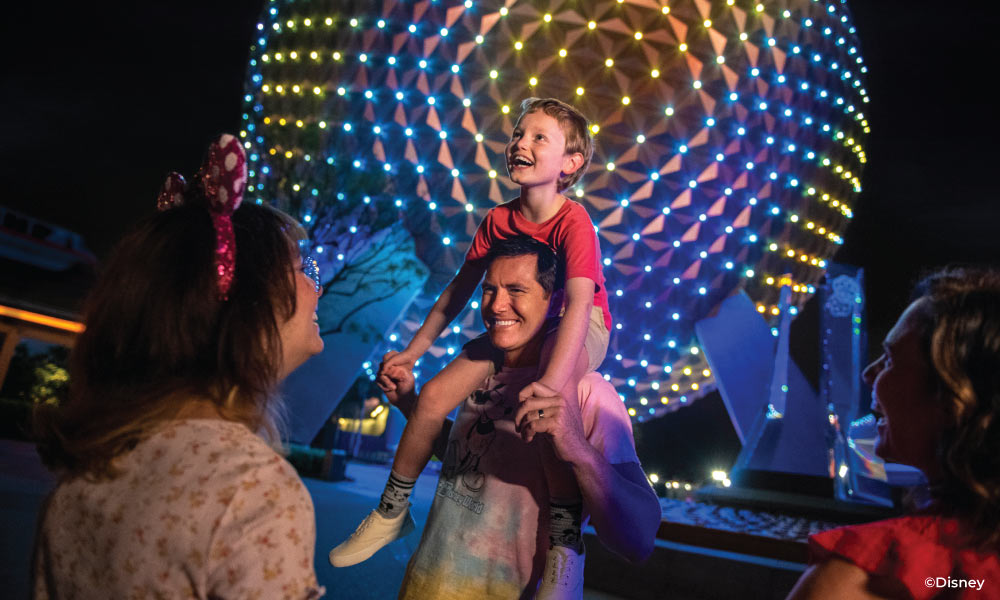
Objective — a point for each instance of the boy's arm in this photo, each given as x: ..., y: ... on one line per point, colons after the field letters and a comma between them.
x: 451, y: 302
x: 571, y: 334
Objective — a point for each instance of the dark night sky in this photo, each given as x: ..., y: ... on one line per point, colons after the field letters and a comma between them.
x: 98, y: 105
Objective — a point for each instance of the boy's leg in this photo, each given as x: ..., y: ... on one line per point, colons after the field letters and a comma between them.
x: 391, y: 520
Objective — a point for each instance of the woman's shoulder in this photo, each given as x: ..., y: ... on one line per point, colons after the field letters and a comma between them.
x: 910, y: 549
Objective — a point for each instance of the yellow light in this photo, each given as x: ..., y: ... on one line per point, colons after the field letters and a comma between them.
x: 288, y: 153
x: 294, y: 55
x: 665, y: 10
x: 282, y: 121
x: 317, y: 90
x: 638, y: 35
x: 610, y: 62
x: 336, y: 56
x: 694, y: 386
x: 683, y: 47
x: 730, y: 2
x: 775, y: 310
x: 479, y: 137
x: 533, y: 81
x: 631, y: 412
x: 744, y: 37
x: 322, y: 124
x: 267, y: 120
x: 32, y: 317
x: 706, y: 373
x: 579, y: 91
x: 595, y: 128
x: 299, y: 123
x: 547, y: 18
x: 720, y: 60
x: 654, y: 477
x: 494, y: 74
x: 503, y: 11
x: 655, y: 73
x: 760, y: 308
x: 296, y: 187
x: 708, y: 23
x: 626, y: 100
x: 314, y: 55
x: 562, y: 52
x: 272, y: 151
x: 675, y: 387
x: 687, y: 370
x: 770, y: 280
x: 791, y: 252
x: 505, y: 109
x: 265, y: 88
x: 277, y: 55
x: 669, y: 111
x: 760, y: 8
x: 493, y: 174
x: 610, y: 166
x: 664, y: 400
x: 265, y: 58
x: 328, y: 21
x: 518, y: 45
x: 290, y: 23
x: 296, y: 88
x: 592, y: 25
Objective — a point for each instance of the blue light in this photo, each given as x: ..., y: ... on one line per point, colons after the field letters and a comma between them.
x: 692, y: 184
x: 353, y: 229
x: 408, y: 132
x: 635, y: 236
x: 741, y: 131
x: 320, y: 249
x: 702, y: 290
x: 675, y: 316
x: 734, y: 96
x: 618, y: 293
x: 752, y: 238
x: 624, y: 202
x: 307, y: 218
x: 443, y: 134
x: 422, y: 64
x: 754, y: 72
x: 683, y: 148
x: 347, y: 126
x: 412, y: 28
x: 444, y: 32
x: 667, y: 368
x: 671, y: 344
x: 654, y: 176
x: 729, y: 265
x: 431, y: 100
x: 666, y: 210
x: 607, y: 262
x: 446, y: 241
x: 454, y: 68
x: 710, y: 122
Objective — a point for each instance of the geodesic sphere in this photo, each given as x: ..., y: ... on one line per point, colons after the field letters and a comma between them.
x: 729, y: 145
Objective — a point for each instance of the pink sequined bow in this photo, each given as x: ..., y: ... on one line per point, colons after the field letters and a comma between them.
x: 223, y: 178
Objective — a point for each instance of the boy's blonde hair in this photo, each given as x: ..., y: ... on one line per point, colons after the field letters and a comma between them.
x: 575, y: 127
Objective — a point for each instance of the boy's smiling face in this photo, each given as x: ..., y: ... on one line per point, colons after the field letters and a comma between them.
x: 536, y: 153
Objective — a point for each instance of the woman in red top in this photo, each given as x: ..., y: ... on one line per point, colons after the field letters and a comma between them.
x: 936, y: 393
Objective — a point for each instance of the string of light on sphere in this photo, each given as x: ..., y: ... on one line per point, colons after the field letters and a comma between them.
x: 730, y: 145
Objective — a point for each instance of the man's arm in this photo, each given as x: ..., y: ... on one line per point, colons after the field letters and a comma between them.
x: 623, y: 507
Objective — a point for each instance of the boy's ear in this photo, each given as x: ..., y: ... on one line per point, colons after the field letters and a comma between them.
x: 572, y: 162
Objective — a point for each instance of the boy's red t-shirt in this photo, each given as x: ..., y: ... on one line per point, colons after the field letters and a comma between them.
x: 570, y: 234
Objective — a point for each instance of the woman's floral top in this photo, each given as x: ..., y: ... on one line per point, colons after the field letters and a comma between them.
x: 204, y: 508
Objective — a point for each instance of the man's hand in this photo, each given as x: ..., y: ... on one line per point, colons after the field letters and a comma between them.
x: 542, y: 410
x: 392, y: 359
x: 398, y: 385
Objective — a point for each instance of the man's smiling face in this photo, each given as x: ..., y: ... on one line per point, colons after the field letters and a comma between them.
x: 514, y: 308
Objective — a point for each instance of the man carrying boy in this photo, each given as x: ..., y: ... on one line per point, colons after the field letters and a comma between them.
x: 549, y: 150
x: 486, y: 533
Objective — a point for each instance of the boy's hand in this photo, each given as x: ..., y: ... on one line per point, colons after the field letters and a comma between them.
x: 403, y: 360
x: 559, y: 419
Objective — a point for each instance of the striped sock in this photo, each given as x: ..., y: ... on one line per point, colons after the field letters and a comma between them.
x: 396, y: 496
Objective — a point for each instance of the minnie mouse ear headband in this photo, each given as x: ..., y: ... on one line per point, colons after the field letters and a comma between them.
x: 222, y: 179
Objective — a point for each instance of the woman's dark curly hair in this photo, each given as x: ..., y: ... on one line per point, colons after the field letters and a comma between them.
x: 961, y: 337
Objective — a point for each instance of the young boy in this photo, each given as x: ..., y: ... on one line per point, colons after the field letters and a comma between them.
x: 549, y: 151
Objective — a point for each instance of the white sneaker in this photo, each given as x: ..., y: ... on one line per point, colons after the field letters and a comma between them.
x: 373, y: 533
x: 562, y: 578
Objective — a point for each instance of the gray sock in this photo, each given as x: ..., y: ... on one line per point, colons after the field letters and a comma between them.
x: 396, y: 496
x: 564, y: 525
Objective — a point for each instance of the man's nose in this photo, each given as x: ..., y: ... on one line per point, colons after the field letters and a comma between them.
x: 501, y: 300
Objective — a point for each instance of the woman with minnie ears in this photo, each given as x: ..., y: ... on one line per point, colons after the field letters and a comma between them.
x: 936, y: 394
x: 167, y: 487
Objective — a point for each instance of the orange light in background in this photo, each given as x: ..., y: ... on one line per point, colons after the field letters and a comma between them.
x: 24, y: 315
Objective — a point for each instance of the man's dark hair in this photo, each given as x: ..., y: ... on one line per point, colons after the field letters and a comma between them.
x: 547, y: 266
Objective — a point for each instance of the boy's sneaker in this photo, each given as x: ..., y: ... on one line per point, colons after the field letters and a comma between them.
x: 373, y: 533
x: 562, y: 578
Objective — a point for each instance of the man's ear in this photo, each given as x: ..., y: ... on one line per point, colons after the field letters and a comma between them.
x: 572, y: 162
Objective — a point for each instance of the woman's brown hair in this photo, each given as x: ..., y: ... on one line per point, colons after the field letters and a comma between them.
x: 158, y: 336
x: 962, y: 340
